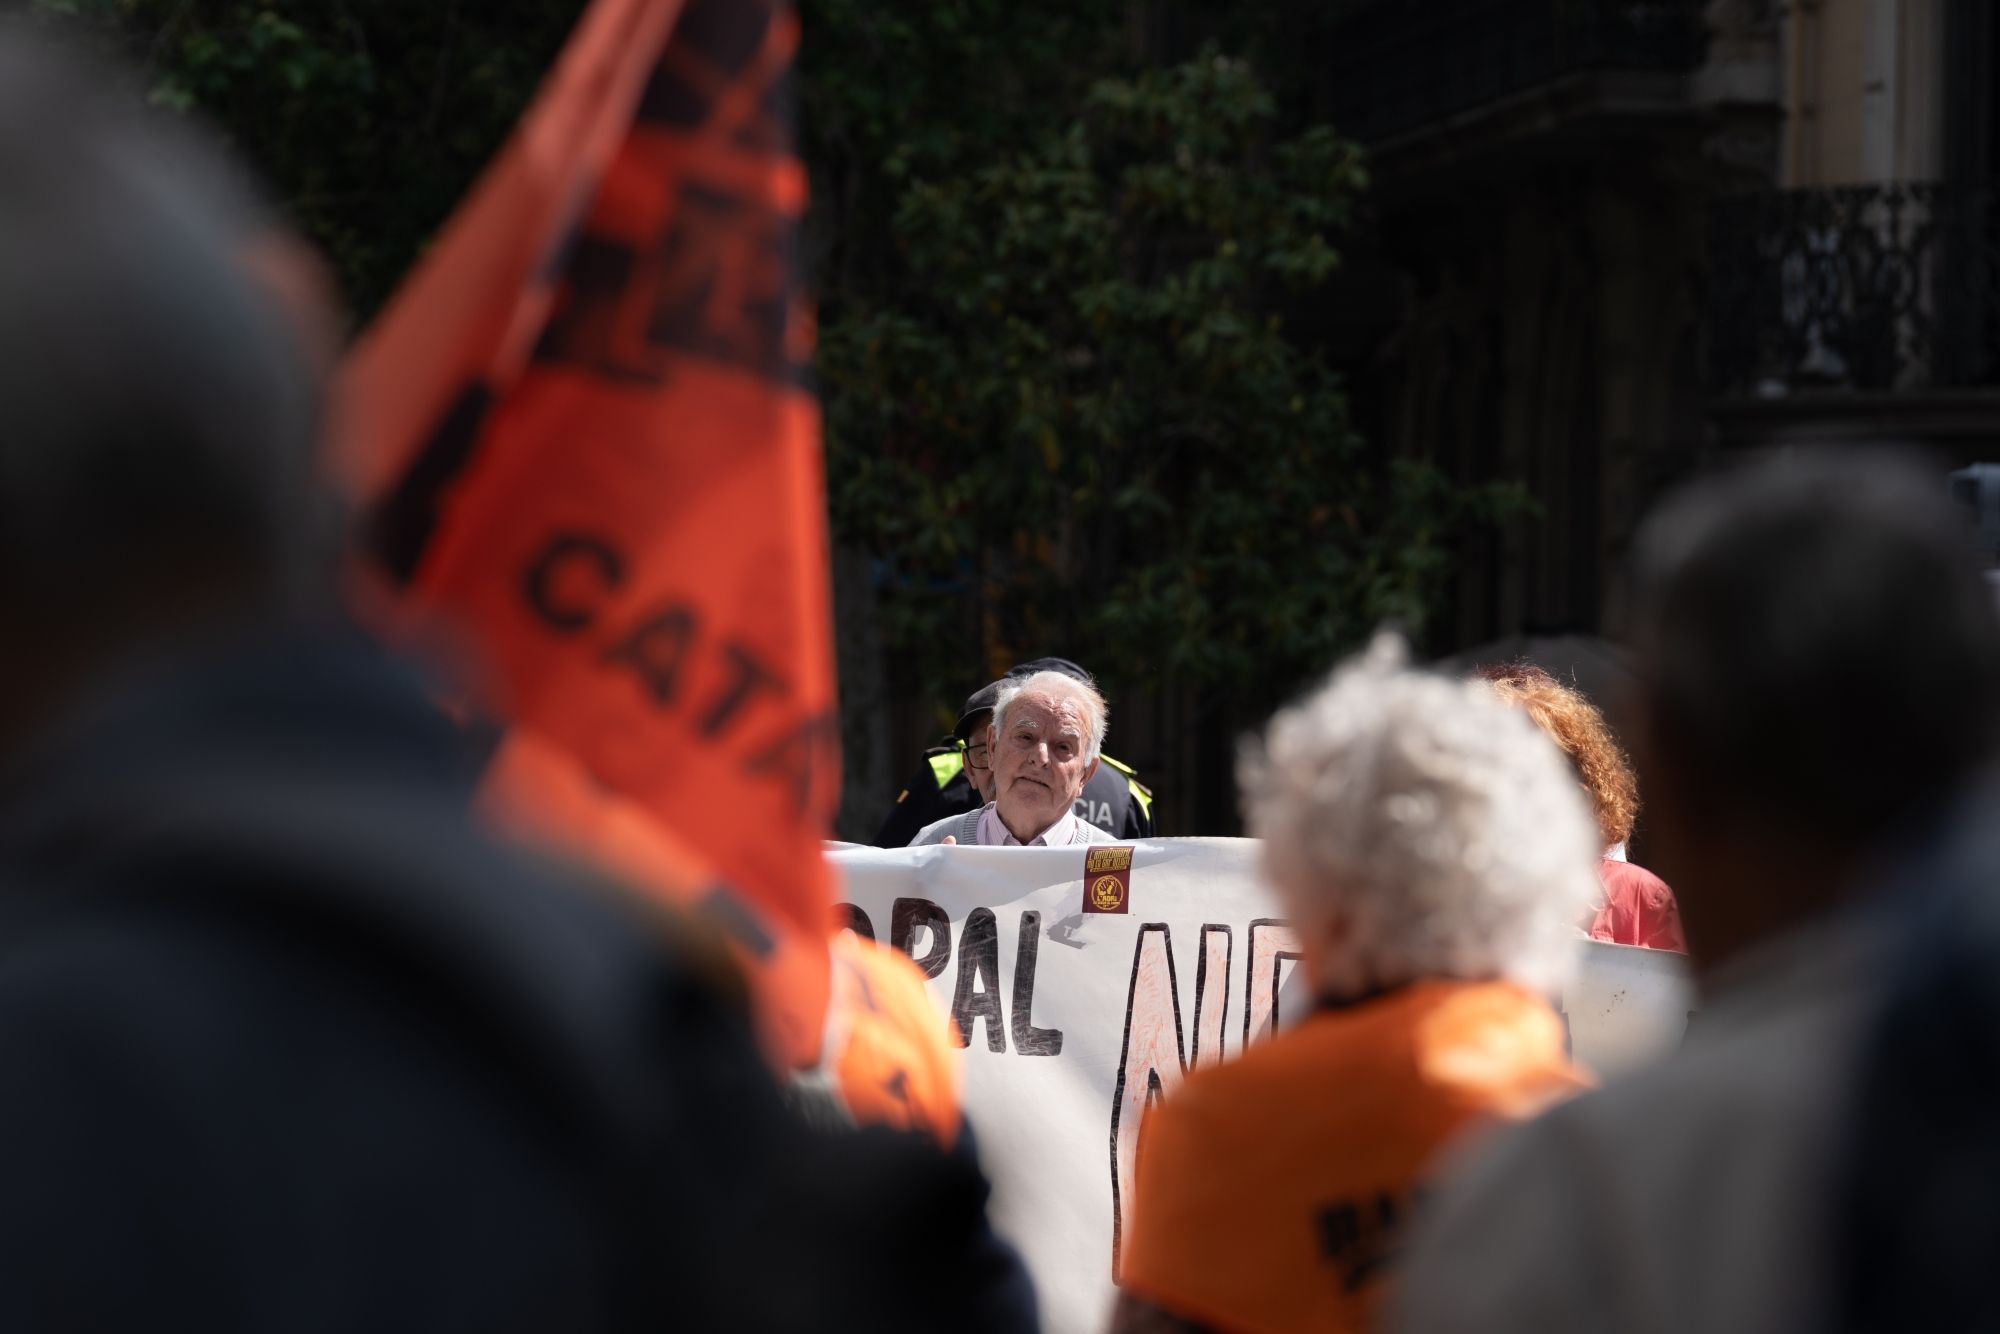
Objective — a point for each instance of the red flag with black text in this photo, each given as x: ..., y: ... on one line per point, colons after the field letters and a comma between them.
x: 584, y: 439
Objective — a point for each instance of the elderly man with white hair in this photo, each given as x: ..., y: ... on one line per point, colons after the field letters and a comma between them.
x: 1044, y: 740
x: 1432, y: 851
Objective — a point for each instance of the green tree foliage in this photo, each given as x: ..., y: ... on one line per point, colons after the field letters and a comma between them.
x: 369, y: 118
x: 1062, y: 280
x: 1065, y: 403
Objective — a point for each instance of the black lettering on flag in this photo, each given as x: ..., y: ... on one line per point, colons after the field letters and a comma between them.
x: 748, y: 678
x: 716, y: 274
x: 588, y: 320
x: 550, y: 583
x: 718, y: 285
x: 657, y: 649
x: 399, y: 531
x: 724, y: 271
x: 1029, y: 1040
x: 906, y: 917
x: 725, y: 287
x: 977, y: 995
x: 564, y: 588
x: 805, y: 757
x: 714, y: 43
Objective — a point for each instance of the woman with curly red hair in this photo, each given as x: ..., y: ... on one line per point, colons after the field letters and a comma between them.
x: 1636, y: 908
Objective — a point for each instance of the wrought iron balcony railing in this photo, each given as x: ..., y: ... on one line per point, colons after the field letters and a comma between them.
x: 1396, y: 65
x: 1893, y: 286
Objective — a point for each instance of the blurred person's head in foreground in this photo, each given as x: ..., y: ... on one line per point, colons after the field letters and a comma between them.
x: 252, y: 891
x: 1046, y: 733
x: 159, y: 387
x: 1819, y: 677
x: 1432, y: 851
x: 1417, y: 827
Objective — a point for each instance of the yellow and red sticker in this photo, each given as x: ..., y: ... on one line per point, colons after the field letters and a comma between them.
x: 1107, y: 880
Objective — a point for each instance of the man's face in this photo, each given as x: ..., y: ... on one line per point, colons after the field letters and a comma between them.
x: 979, y: 758
x: 1038, y: 764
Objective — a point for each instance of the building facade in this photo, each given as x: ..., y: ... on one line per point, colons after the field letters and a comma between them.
x: 1614, y: 238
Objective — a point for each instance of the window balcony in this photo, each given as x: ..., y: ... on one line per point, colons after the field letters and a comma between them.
x: 1396, y: 66
x: 1882, y: 288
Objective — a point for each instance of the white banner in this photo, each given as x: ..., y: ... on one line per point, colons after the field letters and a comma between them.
x: 1084, y: 994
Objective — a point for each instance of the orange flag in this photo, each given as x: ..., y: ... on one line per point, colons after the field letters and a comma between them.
x: 585, y: 441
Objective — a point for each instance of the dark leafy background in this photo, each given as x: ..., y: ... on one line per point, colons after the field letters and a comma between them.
x: 1068, y: 255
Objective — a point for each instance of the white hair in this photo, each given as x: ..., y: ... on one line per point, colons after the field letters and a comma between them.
x: 1059, y: 685
x: 1437, y: 827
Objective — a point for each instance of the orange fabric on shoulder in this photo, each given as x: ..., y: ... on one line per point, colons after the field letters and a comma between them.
x: 537, y: 790
x: 896, y: 1064
x: 1274, y: 1191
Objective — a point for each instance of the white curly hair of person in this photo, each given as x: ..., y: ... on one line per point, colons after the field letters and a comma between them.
x: 1418, y: 827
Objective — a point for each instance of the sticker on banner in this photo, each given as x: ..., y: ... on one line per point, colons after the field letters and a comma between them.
x: 1107, y: 880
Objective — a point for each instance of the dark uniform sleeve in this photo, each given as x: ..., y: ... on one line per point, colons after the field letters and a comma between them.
x: 924, y: 801
x: 1116, y: 802
x: 1138, y: 812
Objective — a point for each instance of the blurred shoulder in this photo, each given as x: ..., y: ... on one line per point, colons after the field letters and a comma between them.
x: 1503, y: 1243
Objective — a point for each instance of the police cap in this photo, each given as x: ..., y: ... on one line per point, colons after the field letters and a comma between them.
x: 1063, y: 665
x: 984, y: 699
x: 980, y: 701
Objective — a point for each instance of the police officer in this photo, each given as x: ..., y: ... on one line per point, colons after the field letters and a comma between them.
x: 958, y: 777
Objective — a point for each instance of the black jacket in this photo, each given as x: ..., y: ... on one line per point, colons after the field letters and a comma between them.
x: 1114, y: 799
x: 289, y: 1046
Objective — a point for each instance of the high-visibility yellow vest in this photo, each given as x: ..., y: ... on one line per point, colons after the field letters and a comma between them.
x: 1140, y: 792
x: 946, y: 764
